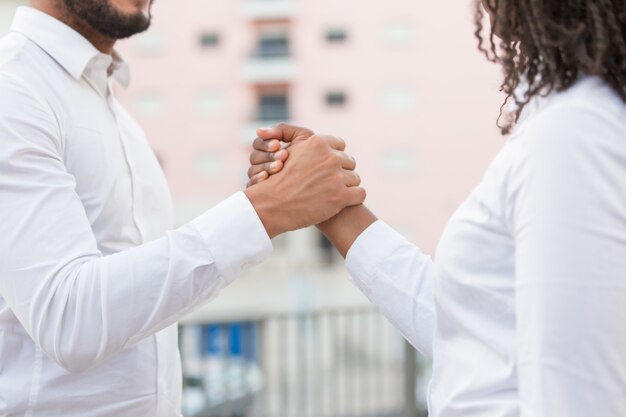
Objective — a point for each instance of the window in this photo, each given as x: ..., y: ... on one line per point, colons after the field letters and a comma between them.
x: 149, y: 43
x: 150, y: 104
x: 209, y: 103
x: 336, y: 99
x: 273, y: 45
x: 209, y: 39
x: 209, y: 165
x: 399, y: 100
x: 336, y: 35
x: 399, y: 33
x: 273, y: 106
x: 398, y: 161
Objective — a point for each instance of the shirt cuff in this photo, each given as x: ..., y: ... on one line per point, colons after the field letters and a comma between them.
x: 234, y: 235
x: 375, y: 245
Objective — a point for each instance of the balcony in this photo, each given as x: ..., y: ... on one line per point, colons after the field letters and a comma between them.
x: 269, y: 9
x: 271, y: 62
x: 274, y: 71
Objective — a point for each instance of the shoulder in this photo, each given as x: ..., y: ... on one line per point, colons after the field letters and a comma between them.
x: 571, y: 153
x: 11, y: 46
x: 26, y: 117
x: 25, y: 68
x: 21, y: 76
x: 587, y: 120
x: 18, y: 54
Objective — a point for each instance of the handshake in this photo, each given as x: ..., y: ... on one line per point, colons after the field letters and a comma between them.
x: 316, y: 183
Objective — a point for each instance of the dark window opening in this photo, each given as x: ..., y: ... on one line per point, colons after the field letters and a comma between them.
x: 336, y: 99
x: 273, y: 46
x: 209, y: 39
x: 273, y: 107
x: 336, y: 36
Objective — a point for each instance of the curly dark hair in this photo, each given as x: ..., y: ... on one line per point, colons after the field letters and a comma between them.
x: 549, y: 43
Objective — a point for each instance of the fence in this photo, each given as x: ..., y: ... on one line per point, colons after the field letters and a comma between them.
x: 337, y: 363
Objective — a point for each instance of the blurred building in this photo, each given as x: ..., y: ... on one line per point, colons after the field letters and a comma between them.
x: 400, y: 81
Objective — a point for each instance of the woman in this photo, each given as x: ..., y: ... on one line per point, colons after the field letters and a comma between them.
x: 524, y: 310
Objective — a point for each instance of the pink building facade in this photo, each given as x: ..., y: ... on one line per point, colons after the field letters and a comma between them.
x: 402, y: 82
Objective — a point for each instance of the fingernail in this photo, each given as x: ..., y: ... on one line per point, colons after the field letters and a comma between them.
x: 274, y: 165
x: 279, y: 154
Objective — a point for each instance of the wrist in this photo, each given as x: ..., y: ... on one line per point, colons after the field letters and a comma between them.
x: 343, y: 229
x: 265, y: 206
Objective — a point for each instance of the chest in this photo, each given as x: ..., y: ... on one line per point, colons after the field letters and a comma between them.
x: 118, y: 178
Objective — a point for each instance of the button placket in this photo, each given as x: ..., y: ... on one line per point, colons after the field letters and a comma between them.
x: 136, y: 198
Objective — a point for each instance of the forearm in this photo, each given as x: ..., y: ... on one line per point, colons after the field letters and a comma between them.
x: 398, y: 278
x: 81, y: 307
x: 343, y: 229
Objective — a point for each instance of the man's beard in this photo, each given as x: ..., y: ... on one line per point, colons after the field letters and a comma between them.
x: 101, y: 16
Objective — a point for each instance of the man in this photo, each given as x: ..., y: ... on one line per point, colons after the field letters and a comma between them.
x: 91, y: 281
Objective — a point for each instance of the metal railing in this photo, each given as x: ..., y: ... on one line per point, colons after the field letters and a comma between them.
x: 336, y: 363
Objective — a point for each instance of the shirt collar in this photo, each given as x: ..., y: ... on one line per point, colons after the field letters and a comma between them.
x: 66, y: 46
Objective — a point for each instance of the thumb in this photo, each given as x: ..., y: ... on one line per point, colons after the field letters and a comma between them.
x: 285, y: 133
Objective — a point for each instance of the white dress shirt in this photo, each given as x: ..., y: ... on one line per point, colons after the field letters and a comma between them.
x: 91, y: 280
x: 524, y: 310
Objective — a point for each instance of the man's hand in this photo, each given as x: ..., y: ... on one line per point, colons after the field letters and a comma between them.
x: 268, y: 158
x: 317, y: 183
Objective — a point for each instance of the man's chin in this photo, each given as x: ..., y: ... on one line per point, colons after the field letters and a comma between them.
x: 108, y: 18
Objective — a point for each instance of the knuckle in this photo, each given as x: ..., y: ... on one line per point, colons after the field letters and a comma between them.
x: 251, y: 172
x: 317, y: 141
x: 362, y: 194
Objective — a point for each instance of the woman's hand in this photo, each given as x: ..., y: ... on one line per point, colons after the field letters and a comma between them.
x: 271, y: 150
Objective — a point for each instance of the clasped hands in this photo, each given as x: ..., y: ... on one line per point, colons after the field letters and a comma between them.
x: 305, y: 183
